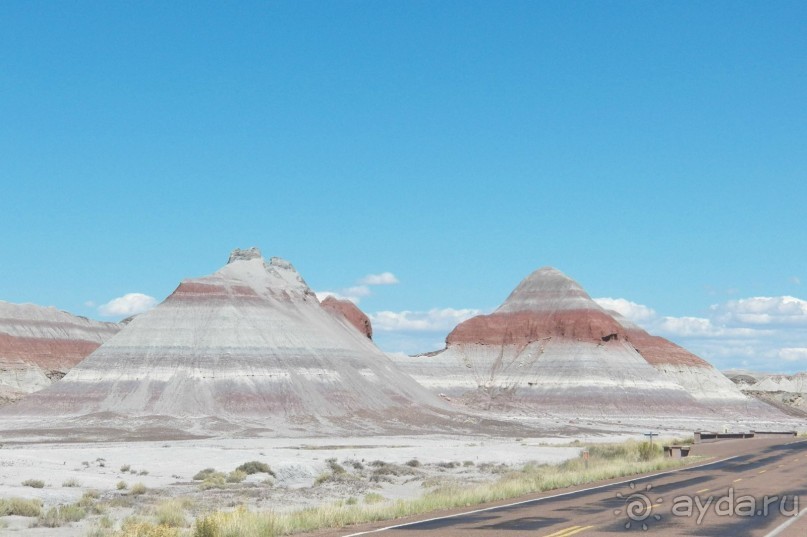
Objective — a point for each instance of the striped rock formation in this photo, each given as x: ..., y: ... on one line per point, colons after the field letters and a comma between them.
x: 249, y: 342
x: 348, y: 311
x: 39, y: 345
x: 702, y: 380
x: 550, y: 348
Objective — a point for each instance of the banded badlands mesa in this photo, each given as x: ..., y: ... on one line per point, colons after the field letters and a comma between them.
x: 242, y: 388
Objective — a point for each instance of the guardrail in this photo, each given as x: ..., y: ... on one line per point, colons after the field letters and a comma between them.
x: 705, y: 436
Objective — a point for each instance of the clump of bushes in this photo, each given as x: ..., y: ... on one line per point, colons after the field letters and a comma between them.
x: 236, y: 476
x: 649, y: 451
x: 201, y: 475
x: 35, y: 483
x: 170, y: 513
x: 20, y: 507
x: 215, y: 480
x: 88, y: 502
x: 385, y: 471
x: 138, y: 489
x: 414, y: 463
x: 132, y: 527
x: 255, y: 467
x: 72, y: 482
x: 56, y: 517
x: 335, y: 467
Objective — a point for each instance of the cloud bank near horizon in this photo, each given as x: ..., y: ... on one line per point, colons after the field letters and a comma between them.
x: 763, y: 333
x: 362, y: 289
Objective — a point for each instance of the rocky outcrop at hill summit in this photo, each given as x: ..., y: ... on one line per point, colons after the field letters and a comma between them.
x: 347, y: 310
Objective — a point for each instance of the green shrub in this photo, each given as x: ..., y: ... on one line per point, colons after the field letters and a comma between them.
x: 35, y: 483
x: 216, y: 480
x: 202, y: 474
x: 373, y: 497
x: 335, y: 467
x: 138, y: 489
x: 255, y: 467
x: 71, y: 483
x: 236, y: 476
x: 649, y: 451
x: 121, y: 485
x: 125, y: 468
x: 414, y: 463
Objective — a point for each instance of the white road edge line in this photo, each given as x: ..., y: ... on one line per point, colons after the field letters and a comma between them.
x: 535, y: 500
x: 786, y: 524
x: 783, y: 526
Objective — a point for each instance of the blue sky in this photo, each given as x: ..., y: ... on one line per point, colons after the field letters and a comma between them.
x: 653, y: 151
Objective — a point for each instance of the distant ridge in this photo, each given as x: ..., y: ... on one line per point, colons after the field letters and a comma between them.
x: 39, y: 345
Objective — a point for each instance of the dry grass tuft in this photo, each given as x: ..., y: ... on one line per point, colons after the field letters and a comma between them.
x: 20, y: 507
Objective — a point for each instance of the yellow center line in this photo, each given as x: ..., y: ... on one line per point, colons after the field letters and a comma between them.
x: 738, y: 479
x: 578, y: 530
x: 701, y: 490
x: 562, y: 532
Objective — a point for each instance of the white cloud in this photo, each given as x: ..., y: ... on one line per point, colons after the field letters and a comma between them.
x: 763, y: 333
x: 763, y: 310
x: 385, y: 278
x: 632, y: 311
x: 793, y: 354
x: 357, y: 291
x: 434, y: 320
x: 128, y: 304
x: 700, y: 327
x: 361, y: 289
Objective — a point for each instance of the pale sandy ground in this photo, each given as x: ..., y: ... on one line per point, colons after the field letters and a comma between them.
x: 297, y: 463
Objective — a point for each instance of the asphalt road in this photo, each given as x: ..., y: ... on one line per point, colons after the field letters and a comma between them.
x: 723, y: 498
